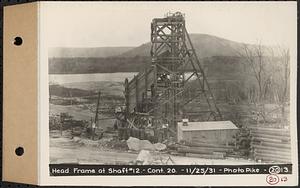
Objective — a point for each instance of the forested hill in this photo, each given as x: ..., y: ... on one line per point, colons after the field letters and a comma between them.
x: 128, y: 59
x: 99, y: 52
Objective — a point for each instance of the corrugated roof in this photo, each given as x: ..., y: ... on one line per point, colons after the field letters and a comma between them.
x: 207, y: 125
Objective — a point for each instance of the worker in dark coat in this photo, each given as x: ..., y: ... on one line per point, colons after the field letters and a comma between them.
x: 120, y: 125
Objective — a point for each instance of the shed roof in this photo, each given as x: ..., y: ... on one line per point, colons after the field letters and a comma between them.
x: 207, y: 125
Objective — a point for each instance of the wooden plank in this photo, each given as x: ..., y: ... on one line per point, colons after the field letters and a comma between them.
x: 270, y: 146
x: 205, y: 156
x: 274, y: 152
x: 255, y: 146
x: 278, y: 145
x: 212, y: 149
x: 202, y: 144
x: 139, y: 85
x: 271, y: 157
x: 269, y: 129
x: 267, y: 159
x: 204, y: 150
x: 285, y: 138
x: 188, y: 150
x: 255, y: 138
x: 270, y: 132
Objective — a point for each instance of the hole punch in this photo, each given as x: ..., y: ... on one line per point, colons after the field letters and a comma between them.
x: 19, y: 151
x: 18, y: 41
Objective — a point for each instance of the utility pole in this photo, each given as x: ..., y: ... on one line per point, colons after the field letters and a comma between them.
x: 96, y: 116
x: 61, y: 122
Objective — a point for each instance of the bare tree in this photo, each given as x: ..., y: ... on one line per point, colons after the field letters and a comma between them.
x: 256, y: 62
x: 282, y: 89
x: 270, y: 71
x: 285, y: 61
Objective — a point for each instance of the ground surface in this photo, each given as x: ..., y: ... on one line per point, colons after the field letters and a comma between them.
x: 66, y: 150
x: 63, y: 149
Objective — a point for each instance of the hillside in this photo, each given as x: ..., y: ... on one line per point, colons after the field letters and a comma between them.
x: 87, y: 52
x: 81, y: 65
x: 205, y: 46
x: 135, y: 59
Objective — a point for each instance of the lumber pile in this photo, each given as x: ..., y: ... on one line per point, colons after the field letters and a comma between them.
x: 270, y: 144
x: 205, y: 150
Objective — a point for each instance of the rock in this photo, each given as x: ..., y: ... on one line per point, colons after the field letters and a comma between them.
x: 160, y: 146
x: 133, y: 143
x: 137, y: 144
x: 76, y: 139
x: 144, y: 157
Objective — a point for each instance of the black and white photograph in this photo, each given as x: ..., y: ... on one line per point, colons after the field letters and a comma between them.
x: 150, y: 93
x: 170, y: 84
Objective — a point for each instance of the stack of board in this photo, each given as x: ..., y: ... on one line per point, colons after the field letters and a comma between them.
x: 205, y: 150
x: 271, y: 144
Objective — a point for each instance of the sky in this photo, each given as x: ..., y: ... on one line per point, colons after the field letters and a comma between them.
x: 100, y: 24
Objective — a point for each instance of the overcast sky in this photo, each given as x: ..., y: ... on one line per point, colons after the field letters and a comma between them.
x: 97, y: 24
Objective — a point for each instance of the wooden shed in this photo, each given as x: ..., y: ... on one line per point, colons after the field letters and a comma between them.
x: 213, y: 132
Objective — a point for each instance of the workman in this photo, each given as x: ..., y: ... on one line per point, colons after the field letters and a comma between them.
x: 165, y: 127
x: 93, y: 130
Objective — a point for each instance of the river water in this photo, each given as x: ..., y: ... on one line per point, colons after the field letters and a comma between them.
x: 96, y: 77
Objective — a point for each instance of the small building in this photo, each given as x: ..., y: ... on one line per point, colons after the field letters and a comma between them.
x: 211, y: 132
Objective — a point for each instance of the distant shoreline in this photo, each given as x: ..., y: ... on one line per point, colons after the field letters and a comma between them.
x: 90, y: 77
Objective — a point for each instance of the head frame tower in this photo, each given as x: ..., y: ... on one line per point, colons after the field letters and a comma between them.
x: 176, y: 78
